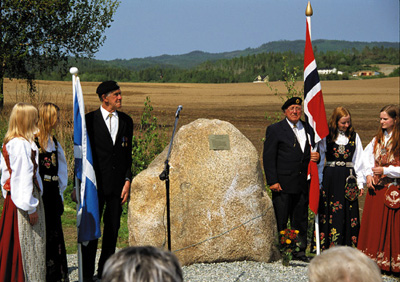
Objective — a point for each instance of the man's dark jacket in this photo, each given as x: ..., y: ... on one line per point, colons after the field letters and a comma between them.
x: 284, y: 161
x: 112, y: 163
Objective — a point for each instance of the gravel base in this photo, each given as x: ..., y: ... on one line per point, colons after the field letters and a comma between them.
x: 232, y: 271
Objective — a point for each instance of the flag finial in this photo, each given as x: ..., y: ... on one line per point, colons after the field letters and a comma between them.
x: 73, y: 70
x: 309, y: 11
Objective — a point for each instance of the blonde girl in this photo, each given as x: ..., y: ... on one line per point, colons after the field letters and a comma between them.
x: 380, y: 225
x: 53, y: 171
x: 22, y: 224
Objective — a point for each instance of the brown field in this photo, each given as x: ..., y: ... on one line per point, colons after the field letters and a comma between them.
x: 245, y: 105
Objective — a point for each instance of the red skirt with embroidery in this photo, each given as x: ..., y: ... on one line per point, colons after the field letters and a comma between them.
x: 379, y: 236
x: 11, y: 268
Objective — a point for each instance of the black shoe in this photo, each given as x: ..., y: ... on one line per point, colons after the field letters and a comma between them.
x: 303, y: 258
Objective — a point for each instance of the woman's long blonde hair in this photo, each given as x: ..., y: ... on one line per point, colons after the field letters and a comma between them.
x: 48, y: 118
x: 22, y: 123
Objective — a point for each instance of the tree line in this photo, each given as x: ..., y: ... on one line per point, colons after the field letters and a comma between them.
x: 234, y: 70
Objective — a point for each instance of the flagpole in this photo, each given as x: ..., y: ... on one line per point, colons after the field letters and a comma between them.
x: 74, y: 72
x: 309, y: 13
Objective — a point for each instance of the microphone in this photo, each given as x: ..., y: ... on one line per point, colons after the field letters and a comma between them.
x: 178, y: 110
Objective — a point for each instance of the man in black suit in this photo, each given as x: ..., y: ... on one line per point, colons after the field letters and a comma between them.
x: 285, y: 158
x: 110, y: 132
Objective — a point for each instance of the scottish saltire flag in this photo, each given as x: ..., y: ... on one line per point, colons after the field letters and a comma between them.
x: 314, y: 109
x: 88, y: 220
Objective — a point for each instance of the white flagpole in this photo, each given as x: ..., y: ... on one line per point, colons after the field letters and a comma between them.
x: 74, y: 72
x: 309, y: 13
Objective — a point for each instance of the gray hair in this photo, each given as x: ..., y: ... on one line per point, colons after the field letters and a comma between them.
x: 142, y: 264
x: 343, y: 264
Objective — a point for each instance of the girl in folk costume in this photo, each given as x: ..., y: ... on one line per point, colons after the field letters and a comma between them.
x: 54, y: 174
x: 22, y: 223
x: 341, y: 177
x: 380, y: 225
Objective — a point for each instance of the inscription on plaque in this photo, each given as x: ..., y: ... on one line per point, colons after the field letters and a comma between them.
x: 219, y: 142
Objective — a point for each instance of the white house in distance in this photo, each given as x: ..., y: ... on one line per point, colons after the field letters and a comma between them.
x: 329, y: 71
x: 260, y: 79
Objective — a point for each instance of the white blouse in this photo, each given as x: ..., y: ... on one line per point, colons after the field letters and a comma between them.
x: 21, y: 182
x: 369, y: 160
x: 356, y: 160
x: 62, y: 166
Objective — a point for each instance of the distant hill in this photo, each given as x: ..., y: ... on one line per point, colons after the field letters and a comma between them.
x: 192, y: 59
x: 235, y: 66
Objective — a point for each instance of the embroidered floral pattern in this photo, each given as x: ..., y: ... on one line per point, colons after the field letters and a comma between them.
x: 336, y: 206
x: 342, y: 151
x: 354, y: 222
x: 47, y: 162
x: 354, y: 241
x: 323, y: 219
x: 336, y: 153
x: 334, y: 235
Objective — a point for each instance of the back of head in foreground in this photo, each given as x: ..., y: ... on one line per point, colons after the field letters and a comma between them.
x: 343, y: 264
x: 142, y: 264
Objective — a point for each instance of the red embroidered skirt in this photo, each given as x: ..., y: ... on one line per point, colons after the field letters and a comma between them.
x: 379, y: 236
x: 11, y: 268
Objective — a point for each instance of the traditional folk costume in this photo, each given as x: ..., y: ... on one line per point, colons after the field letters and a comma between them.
x: 339, y: 221
x: 54, y: 174
x: 22, y: 246
x: 380, y: 226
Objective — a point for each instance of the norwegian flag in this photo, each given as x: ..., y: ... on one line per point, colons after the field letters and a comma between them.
x: 314, y: 109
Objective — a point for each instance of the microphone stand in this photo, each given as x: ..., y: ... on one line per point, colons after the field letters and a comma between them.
x: 165, y: 176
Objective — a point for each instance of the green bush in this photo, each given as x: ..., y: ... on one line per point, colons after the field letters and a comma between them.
x: 148, y: 141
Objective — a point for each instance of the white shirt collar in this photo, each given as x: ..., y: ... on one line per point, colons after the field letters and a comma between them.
x: 105, y: 113
x: 299, y: 125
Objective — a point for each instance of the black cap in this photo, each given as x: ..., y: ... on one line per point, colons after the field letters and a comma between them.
x: 106, y: 87
x: 291, y: 101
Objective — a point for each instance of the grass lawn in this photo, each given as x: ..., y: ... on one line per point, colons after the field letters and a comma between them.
x: 70, y: 230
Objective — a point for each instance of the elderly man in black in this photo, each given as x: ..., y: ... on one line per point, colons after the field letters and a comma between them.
x: 286, y: 157
x: 110, y: 132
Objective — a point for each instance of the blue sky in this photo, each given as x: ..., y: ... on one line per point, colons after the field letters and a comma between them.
x: 144, y: 28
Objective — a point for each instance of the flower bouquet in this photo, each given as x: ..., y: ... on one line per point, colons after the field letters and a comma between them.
x: 288, y: 243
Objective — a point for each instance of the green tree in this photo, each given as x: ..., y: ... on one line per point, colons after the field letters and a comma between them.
x: 37, y: 35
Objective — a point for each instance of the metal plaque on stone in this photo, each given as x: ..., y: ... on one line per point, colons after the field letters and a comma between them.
x: 219, y: 142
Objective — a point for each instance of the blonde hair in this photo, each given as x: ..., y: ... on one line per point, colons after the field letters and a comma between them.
x: 343, y: 264
x: 22, y: 123
x: 48, y: 117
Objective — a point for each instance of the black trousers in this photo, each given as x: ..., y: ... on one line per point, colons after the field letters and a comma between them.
x: 295, y: 208
x: 111, y: 205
